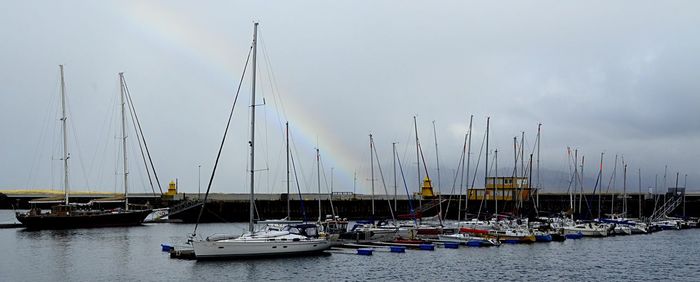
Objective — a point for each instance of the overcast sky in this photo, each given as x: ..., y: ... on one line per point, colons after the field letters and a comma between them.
x: 616, y: 77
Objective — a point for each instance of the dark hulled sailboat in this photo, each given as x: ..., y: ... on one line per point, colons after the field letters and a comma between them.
x: 71, y: 215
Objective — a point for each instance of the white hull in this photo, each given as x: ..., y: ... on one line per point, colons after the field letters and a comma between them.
x: 622, y: 230
x: 585, y: 231
x: 242, y: 248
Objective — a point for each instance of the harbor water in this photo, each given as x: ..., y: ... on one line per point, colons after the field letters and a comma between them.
x: 134, y: 254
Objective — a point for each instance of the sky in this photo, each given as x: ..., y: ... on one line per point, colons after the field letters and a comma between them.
x: 618, y: 78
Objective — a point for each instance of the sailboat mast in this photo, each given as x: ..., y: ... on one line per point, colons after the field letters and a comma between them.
x: 486, y: 166
x: 437, y: 161
x: 495, y: 182
x: 675, y: 191
x: 612, y: 197
x: 393, y: 150
x: 580, y: 182
x: 126, y: 170
x: 685, y: 186
x: 420, y: 182
x: 64, y: 128
x: 624, y: 190
x: 461, y: 179
x: 515, y: 165
x: 318, y: 182
x: 529, y: 181
x: 252, y: 131
x: 537, y: 202
x: 289, y: 211
x: 575, y: 180
x: 522, y: 169
x: 656, y: 188
x: 665, y: 187
x: 572, y: 191
x: 600, y: 180
x: 371, y: 165
x: 639, y: 182
x: 469, y: 149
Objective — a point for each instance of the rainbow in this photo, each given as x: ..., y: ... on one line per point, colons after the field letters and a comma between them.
x: 167, y: 27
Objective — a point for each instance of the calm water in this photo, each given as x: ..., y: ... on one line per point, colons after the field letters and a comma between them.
x: 133, y: 254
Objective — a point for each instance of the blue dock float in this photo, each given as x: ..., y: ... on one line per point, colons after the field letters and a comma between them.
x: 397, y: 249
x: 451, y: 245
x: 166, y: 247
x: 574, y: 236
x: 364, y: 252
x: 427, y: 247
x: 473, y: 244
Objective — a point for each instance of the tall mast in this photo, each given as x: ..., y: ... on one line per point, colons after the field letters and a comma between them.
x: 289, y: 211
x: 393, y: 150
x: 537, y: 202
x: 495, y: 182
x: 354, y: 183
x: 420, y: 181
x: 522, y: 157
x: 600, y: 180
x: 664, y: 189
x: 126, y: 170
x: 529, y: 181
x: 624, y: 190
x: 572, y: 196
x: 515, y: 160
x: 515, y: 168
x: 656, y: 187
x: 469, y: 149
x: 522, y: 170
x: 486, y: 167
x: 332, y: 169
x: 580, y: 191
x: 461, y: 179
x: 251, y: 227
x: 640, y: 192
x: 371, y: 165
x: 64, y: 118
x: 318, y: 182
x: 612, y: 198
x: 437, y: 161
x: 685, y: 187
x: 675, y: 191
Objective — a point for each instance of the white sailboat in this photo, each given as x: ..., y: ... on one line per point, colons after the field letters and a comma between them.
x: 292, y: 240
x: 587, y: 230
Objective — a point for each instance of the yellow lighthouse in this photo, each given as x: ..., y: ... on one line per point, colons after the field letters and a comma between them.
x: 427, y: 189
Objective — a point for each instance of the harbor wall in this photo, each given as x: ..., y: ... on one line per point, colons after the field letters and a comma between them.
x: 234, y: 207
